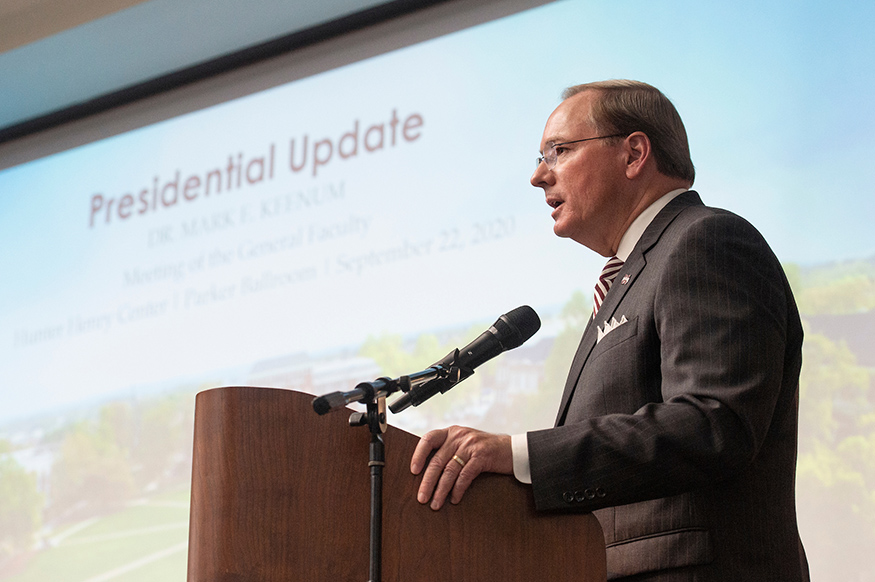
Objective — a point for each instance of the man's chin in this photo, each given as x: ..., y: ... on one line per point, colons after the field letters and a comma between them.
x: 560, y: 230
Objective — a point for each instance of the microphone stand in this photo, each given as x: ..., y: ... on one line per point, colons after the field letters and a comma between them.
x: 514, y: 328
x: 373, y: 395
x: 375, y: 419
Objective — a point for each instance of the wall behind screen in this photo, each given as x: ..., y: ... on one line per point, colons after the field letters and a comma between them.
x: 352, y: 210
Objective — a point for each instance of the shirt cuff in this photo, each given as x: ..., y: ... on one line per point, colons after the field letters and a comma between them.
x: 520, y: 446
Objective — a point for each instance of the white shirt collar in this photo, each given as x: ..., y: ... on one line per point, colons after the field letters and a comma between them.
x: 641, y: 222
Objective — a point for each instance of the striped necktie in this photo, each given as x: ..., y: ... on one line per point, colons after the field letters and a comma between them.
x: 606, y: 279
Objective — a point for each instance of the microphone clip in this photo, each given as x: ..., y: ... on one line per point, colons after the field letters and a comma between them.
x: 457, y: 372
x: 441, y: 378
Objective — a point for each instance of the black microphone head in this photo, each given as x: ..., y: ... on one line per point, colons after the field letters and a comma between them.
x: 516, y: 326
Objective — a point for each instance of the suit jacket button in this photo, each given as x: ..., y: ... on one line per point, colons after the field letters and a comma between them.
x: 590, y: 494
x: 579, y: 496
x: 568, y: 497
x: 599, y: 492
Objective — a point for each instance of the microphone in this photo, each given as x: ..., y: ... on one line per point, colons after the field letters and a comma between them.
x: 509, y: 331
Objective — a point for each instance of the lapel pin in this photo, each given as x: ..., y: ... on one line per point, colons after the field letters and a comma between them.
x: 625, y: 279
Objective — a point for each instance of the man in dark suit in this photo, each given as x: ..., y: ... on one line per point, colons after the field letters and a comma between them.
x: 678, y: 423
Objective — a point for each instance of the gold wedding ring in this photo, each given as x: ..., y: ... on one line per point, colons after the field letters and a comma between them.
x: 458, y: 460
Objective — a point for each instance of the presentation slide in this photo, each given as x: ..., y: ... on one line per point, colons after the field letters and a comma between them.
x: 364, y: 221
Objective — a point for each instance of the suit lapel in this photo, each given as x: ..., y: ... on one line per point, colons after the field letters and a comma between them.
x: 631, y: 269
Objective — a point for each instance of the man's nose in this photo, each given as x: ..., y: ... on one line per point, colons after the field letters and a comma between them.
x: 543, y: 176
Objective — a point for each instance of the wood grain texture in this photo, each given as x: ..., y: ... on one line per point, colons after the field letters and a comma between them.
x: 280, y: 493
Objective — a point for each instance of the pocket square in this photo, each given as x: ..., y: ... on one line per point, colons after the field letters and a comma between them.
x: 609, y: 327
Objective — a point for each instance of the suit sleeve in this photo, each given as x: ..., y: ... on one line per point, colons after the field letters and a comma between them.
x: 714, y: 327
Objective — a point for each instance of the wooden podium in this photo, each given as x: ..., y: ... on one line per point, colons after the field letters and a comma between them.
x: 280, y: 493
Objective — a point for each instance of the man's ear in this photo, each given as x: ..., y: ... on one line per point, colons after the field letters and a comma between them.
x: 638, y: 153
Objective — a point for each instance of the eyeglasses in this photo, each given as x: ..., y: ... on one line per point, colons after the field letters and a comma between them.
x: 550, y: 156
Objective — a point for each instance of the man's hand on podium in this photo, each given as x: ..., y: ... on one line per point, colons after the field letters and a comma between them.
x: 460, y: 454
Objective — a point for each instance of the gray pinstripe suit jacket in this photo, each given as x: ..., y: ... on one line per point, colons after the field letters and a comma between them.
x: 678, y: 429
